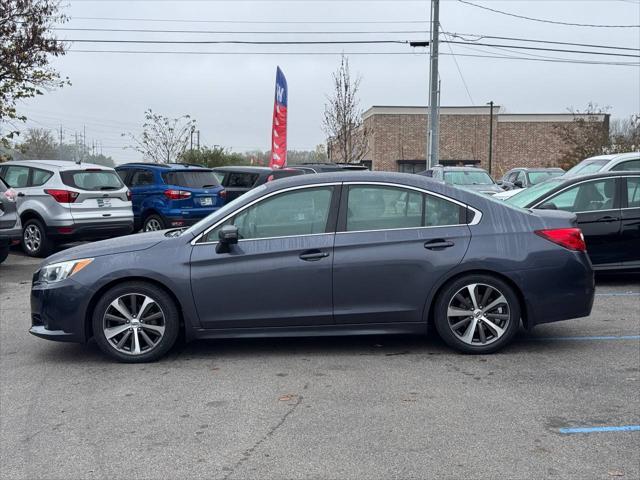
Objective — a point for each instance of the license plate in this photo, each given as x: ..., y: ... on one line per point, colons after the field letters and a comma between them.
x: 207, y: 201
x: 104, y: 202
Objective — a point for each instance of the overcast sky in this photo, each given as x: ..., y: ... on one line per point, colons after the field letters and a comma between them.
x: 231, y: 96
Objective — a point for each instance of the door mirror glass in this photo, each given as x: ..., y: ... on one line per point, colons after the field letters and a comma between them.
x: 548, y: 206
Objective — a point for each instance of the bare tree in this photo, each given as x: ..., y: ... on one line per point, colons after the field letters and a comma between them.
x: 348, y: 137
x: 624, y: 134
x: 163, y: 139
x: 39, y: 143
x: 584, y: 137
x: 26, y: 45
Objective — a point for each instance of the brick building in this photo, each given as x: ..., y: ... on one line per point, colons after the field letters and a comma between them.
x: 397, y: 137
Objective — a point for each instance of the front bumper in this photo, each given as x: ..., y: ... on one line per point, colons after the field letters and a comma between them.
x: 59, y: 311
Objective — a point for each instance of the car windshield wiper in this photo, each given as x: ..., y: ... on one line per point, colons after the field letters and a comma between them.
x: 109, y: 188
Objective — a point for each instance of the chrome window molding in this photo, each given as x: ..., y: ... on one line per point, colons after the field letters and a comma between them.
x: 476, y: 218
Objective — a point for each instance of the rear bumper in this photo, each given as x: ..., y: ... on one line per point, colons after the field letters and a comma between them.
x: 187, y: 217
x: 558, y: 293
x: 58, y: 312
x: 90, y: 230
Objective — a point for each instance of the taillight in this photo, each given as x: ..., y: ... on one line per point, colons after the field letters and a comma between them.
x: 129, y: 195
x: 62, y: 196
x: 223, y: 194
x: 172, y: 194
x: 570, y: 238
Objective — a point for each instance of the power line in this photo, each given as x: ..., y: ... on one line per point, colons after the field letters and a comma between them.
x: 183, y: 52
x: 240, y: 42
x: 561, y: 50
x: 263, y: 22
x: 459, y: 70
x: 545, y: 20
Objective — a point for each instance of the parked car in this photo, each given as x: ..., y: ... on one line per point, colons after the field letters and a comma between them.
x: 332, y: 254
x: 617, y: 162
x: 171, y: 194
x: 239, y: 180
x: 471, y: 178
x: 62, y: 201
x: 518, y: 178
x: 607, y: 206
x: 10, y: 227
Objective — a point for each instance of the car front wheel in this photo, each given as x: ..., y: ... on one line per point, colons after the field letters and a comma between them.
x: 35, y: 242
x: 136, y: 322
x: 477, y: 314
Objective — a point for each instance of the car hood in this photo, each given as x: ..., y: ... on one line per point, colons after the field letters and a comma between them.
x: 128, y: 243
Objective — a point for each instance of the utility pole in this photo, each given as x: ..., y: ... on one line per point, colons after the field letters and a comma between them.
x: 198, y: 138
x: 60, y: 145
x: 433, y: 140
x: 191, y: 139
x: 84, y: 140
x: 490, y: 133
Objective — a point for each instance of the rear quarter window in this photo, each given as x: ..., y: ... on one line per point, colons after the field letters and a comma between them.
x: 92, y: 179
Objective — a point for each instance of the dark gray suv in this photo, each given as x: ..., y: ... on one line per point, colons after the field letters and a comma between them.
x: 326, y: 254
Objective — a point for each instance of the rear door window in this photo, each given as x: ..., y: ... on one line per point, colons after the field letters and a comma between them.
x: 633, y: 192
x: 140, y: 178
x: 383, y: 208
x: 92, y: 179
x: 191, y: 179
x: 17, y: 176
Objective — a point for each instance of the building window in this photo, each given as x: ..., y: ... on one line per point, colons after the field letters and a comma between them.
x: 367, y: 163
x: 412, y: 166
x: 460, y: 163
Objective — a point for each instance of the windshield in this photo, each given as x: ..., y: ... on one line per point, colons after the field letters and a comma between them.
x: 191, y: 179
x: 539, y: 177
x: 587, y: 166
x: 526, y: 196
x: 468, y: 177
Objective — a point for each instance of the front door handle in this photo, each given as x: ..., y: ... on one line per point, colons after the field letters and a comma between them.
x: 21, y: 194
x: 608, y: 219
x: 438, y: 244
x: 313, y: 255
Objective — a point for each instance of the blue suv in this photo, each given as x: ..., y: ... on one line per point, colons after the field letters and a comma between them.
x: 171, y: 194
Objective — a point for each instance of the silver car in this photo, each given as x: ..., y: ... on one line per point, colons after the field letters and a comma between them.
x: 61, y: 201
x: 10, y: 228
x: 617, y: 162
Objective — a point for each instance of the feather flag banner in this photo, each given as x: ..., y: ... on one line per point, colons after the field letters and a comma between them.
x: 279, y: 127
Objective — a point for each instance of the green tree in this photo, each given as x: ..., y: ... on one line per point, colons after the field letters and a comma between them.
x: 213, y: 157
x: 26, y: 46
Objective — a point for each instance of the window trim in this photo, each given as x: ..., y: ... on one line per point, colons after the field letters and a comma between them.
x: 477, y: 214
x: 617, y: 199
x: 196, y: 239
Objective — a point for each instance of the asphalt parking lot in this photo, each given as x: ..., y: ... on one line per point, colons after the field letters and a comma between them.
x: 357, y: 407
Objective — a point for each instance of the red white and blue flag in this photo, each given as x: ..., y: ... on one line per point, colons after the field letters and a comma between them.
x: 279, y: 128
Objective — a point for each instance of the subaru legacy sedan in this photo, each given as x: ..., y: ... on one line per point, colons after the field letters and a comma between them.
x: 328, y: 254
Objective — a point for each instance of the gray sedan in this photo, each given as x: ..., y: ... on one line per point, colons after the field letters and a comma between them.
x: 327, y: 254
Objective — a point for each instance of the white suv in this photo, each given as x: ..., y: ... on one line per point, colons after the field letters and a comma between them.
x: 617, y: 162
x: 62, y: 201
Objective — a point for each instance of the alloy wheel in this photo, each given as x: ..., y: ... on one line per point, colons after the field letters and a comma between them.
x: 152, y: 225
x: 32, y: 238
x: 134, y: 324
x: 478, y: 314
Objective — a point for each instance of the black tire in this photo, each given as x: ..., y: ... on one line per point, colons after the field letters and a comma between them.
x: 153, y: 223
x: 504, y: 317
x: 35, y: 241
x: 4, y: 252
x: 126, y: 353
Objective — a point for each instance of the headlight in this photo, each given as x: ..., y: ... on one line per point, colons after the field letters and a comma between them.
x: 59, y: 271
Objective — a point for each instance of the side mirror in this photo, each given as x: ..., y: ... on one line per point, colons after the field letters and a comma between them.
x: 548, y: 206
x: 518, y: 183
x: 227, y: 236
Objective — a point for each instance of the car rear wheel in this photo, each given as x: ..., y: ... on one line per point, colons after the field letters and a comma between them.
x: 35, y: 242
x: 153, y: 223
x: 136, y: 322
x: 477, y: 314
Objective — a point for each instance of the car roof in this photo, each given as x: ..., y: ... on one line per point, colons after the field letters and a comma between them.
x: 461, y: 169
x: 614, y: 156
x: 538, y: 169
x: 166, y: 166
x: 57, y: 164
x: 242, y: 168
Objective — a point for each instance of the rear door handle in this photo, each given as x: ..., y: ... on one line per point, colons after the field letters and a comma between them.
x: 438, y: 244
x: 608, y: 219
x: 313, y: 255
